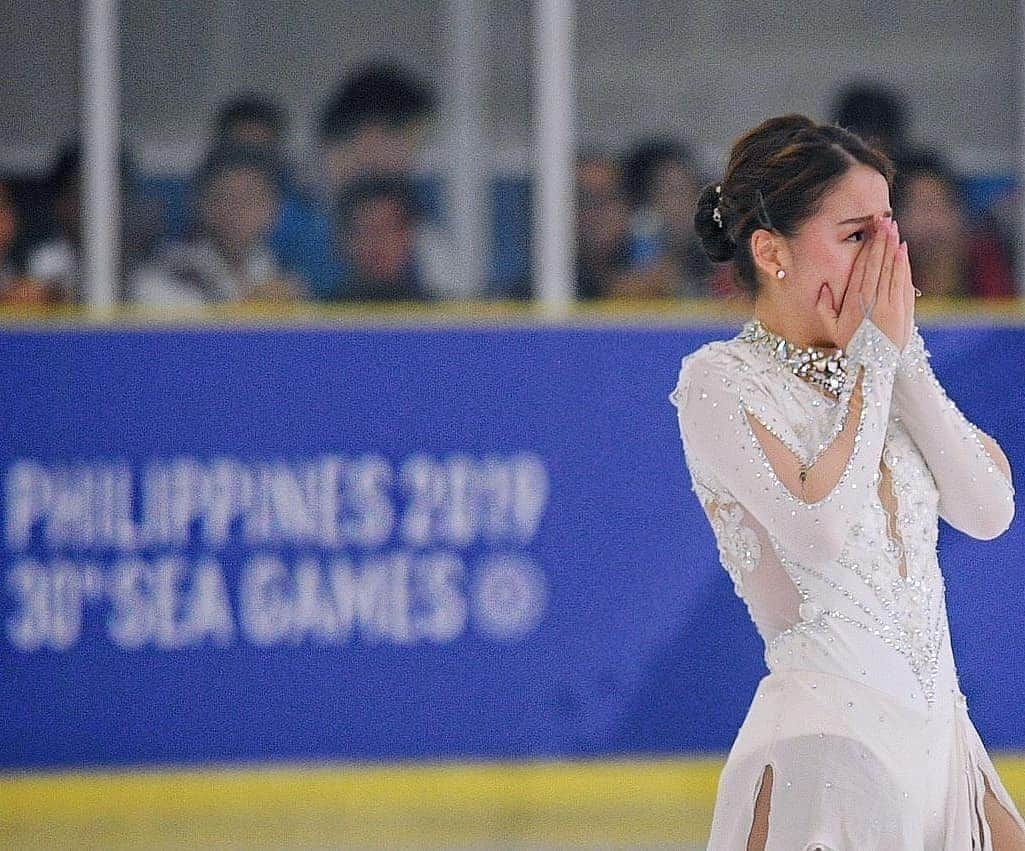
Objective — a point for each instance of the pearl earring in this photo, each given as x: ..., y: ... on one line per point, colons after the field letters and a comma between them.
x: 781, y: 274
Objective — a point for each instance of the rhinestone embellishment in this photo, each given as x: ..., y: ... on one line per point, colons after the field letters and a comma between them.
x: 821, y: 367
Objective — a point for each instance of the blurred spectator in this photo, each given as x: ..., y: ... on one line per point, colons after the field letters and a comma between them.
x: 253, y: 121
x: 15, y: 288
x: 950, y: 255
x: 373, y: 124
x: 377, y: 221
x: 301, y: 236
x: 56, y: 261
x: 603, y: 227
x: 1004, y: 214
x: 227, y: 258
x: 877, y: 114
x: 662, y: 184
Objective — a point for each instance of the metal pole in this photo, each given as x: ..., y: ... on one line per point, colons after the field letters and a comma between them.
x: 468, y: 170
x: 100, y: 139
x: 554, y: 255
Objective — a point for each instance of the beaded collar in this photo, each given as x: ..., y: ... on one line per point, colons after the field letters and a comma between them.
x: 823, y: 368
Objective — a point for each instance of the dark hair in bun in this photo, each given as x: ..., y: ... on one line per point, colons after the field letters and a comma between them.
x: 777, y: 175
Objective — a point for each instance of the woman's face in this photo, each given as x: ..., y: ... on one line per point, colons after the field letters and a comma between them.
x: 825, y: 247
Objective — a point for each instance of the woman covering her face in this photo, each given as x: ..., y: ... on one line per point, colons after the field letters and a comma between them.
x: 823, y: 450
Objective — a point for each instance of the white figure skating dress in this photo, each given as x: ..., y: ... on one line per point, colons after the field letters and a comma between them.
x: 861, y: 716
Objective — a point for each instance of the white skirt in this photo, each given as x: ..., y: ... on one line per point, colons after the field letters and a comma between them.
x: 855, y: 770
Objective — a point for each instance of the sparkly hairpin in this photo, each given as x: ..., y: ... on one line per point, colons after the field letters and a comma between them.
x: 716, y: 212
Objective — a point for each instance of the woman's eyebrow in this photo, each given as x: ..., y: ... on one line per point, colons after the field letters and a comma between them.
x: 859, y: 219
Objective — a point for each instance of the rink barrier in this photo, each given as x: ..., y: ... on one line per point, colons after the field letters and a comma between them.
x: 602, y: 803
x: 66, y: 767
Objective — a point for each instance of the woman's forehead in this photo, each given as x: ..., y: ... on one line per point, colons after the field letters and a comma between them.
x: 862, y: 192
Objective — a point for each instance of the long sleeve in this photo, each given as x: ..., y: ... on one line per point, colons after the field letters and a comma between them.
x: 715, y: 399
x: 975, y: 495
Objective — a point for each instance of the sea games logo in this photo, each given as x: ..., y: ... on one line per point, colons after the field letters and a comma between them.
x: 333, y: 550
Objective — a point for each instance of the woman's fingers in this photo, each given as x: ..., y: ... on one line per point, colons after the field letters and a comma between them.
x: 873, y: 265
x: 909, y: 292
x: 825, y: 308
x: 901, y: 292
x: 854, y: 282
x: 891, y: 313
x: 890, y: 273
x: 884, y: 276
x: 853, y: 304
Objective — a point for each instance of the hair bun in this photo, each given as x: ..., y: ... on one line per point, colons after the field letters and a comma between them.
x: 715, y: 237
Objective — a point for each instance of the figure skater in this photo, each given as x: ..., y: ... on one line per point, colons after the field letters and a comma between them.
x: 823, y: 449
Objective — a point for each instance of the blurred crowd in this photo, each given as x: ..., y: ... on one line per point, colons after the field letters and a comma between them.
x: 367, y: 226
x: 635, y: 234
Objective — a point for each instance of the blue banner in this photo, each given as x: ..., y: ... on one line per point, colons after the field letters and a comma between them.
x: 273, y: 544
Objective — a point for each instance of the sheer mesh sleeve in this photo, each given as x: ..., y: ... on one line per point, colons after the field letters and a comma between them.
x: 714, y: 399
x: 975, y: 495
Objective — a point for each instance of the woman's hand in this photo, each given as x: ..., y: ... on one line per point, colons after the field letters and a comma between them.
x: 879, y: 286
x: 910, y: 292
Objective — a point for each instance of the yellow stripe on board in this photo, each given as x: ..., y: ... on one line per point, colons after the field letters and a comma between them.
x: 614, y: 803
x: 622, y: 803
x: 616, y: 313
